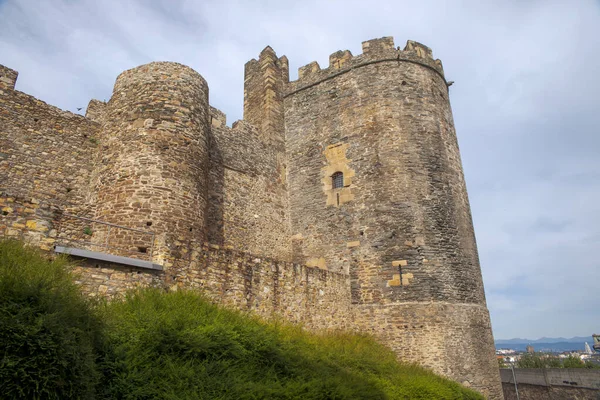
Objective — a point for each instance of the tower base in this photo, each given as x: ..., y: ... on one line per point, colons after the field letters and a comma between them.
x: 454, y: 340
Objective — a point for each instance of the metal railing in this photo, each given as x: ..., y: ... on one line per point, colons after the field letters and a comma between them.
x: 75, y: 237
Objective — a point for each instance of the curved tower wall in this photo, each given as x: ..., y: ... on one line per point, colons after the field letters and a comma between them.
x: 154, y: 158
x: 401, y: 225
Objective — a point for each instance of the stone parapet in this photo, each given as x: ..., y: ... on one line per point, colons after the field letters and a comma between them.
x: 248, y: 206
x: 551, y: 383
x: 374, y: 51
x: 8, y: 78
x: 217, y: 118
x: 96, y: 110
x: 314, y: 298
x: 46, y: 153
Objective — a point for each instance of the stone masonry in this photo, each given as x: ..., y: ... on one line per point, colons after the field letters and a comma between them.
x: 339, y: 202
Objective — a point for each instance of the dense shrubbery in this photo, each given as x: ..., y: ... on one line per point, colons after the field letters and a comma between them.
x: 540, y: 360
x: 178, y: 346
x: 48, y: 336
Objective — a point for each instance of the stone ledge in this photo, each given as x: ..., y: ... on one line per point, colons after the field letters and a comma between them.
x: 107, y: 257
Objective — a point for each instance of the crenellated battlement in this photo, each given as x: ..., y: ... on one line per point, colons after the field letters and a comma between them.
x: 8, y: 77
x: 378, y: 46
x: 264, y: 82
x: 308, y: 70
x: 242, y: 125
x: 96, y: 110
x: 373, y: 51
x: 217, y: 118
x: 339, y: 58
x: 267, y: 56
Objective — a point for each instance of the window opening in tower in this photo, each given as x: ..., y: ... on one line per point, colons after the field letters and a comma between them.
x: 337, y: 180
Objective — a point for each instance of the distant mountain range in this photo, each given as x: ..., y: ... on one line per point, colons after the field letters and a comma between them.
x: 574, y: 339
x: 546, y: 344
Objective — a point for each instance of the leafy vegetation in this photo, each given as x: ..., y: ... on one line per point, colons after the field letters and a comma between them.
x: 178, y: 345
x: 157, y: 345
x: 541, y: 360
x: 48, y: 333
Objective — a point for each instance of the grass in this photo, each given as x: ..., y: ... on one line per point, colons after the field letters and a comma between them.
x: 48, y: 333
x: 177, y: 345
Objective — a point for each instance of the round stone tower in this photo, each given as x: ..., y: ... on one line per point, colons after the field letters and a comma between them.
x: 152, y: 171
x: 377, y: 191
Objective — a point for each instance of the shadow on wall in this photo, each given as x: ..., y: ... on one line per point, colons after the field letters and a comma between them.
x: 216, y: 182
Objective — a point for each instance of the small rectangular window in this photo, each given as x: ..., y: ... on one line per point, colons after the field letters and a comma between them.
x: 337, y: 180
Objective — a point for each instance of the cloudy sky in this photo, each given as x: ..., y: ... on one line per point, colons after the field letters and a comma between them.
x: 526, y: 106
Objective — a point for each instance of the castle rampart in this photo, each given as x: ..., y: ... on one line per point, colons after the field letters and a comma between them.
x: 46, y: 160
x: 374, y: 51
x: 247, y: 193
x: 338, y: 202
x: 267, y: 287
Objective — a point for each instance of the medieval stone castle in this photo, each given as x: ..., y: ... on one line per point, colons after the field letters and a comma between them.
x: 338, y: 202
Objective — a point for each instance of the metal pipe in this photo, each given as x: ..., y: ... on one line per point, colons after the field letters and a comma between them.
x: 512, y: 366
x: 107, y: 236
x: 152, y: 247
x: 108, y: 223
x: 72, y: 241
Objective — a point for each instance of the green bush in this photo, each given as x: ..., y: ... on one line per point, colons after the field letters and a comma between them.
x: 48, y: 335
x: 55, y: 344
x: 180, y: 346
x: 573, y: 362
x: 534, y: 360
x: 544, y: 360
x: 552, y: 361
x: 591, y: 365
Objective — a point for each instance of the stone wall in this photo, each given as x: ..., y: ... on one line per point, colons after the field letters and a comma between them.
x: 551, y: 383
x: 312, y: 297
x: 534, y: 392
x: 8, y: 78
x: 28, y: 220
x: 450, y: 338
x: 264, y: 80
x: 247, y: 193
x: 46, y: 153
x: 46, y: 159
x: 109, y: 280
